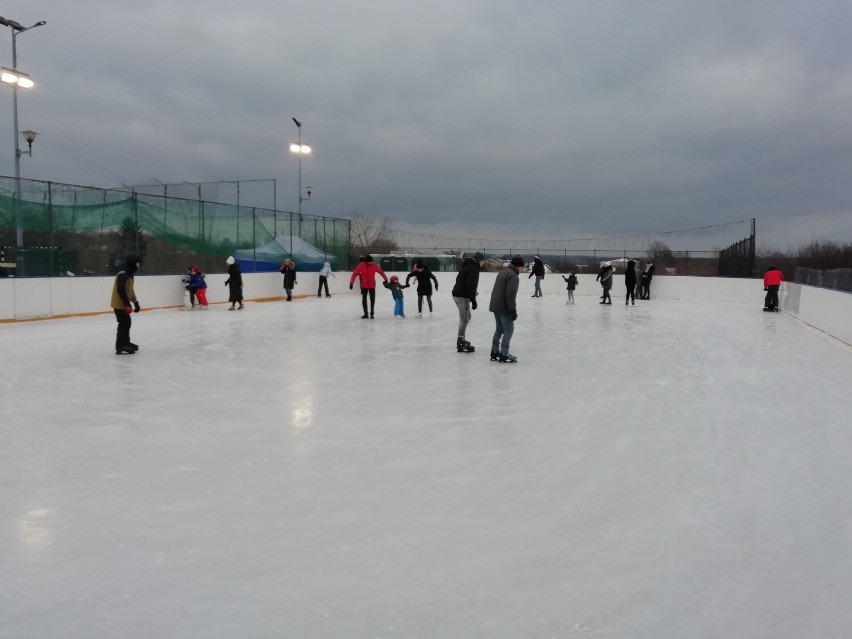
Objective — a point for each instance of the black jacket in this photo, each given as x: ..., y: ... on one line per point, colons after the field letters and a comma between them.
x: 537, y: 268
x: 467, y: 280
x: 424, y: 280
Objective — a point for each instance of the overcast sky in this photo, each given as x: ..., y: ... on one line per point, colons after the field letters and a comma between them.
x: 489, y: 118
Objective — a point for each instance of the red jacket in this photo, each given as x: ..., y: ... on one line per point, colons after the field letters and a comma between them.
x: 367, y: 271
x: 773, y: 278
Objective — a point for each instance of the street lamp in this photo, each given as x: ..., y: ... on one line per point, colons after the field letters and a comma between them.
x: 300, y: 150
x: 16, y: 79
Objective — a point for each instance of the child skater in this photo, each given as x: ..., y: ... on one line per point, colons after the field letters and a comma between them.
x: 196, y: 279
x: 396, y: 289
x: 572, y: 284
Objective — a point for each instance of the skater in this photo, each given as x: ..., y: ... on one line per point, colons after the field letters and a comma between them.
x: 630, y: 282
x: 396, y: 289
x: 187, y: 280
x: 288, y: 270
x: 325, y: 271
x: 464, y: 295
x: 196, y: 280
x: 645, y: 281
x: 504, y: 306
x: 367, y: 271
x: 771, y: 283
x: 424, y: 278
x: 537, y: 270
x: 572, y: 284
x: 605, y: 278
x: 234, y: 283
x: 123, y: 295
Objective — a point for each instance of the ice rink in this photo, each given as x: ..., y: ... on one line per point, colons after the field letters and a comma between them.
x: 671, y: 470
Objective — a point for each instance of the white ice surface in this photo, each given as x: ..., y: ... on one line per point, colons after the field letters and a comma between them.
x: 673, y: 469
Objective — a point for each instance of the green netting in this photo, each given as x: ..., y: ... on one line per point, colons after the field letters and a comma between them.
x: 98, y: 227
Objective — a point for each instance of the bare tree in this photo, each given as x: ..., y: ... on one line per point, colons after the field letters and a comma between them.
x: 369, y: 234
x: 660, y: 252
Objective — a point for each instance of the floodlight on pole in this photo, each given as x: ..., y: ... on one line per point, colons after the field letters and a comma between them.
x: 15, y: 79
x: 300, y: 149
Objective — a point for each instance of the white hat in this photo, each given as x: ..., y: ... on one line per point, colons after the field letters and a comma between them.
x: 230, y: 260
x: 607, y: 263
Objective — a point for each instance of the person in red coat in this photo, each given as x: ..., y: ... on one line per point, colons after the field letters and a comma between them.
x: 771, y: 283
x: 367, y: 271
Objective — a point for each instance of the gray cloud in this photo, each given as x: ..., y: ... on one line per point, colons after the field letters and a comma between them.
x: 548, y: 119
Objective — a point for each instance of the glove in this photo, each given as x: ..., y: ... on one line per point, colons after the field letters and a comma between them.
x: 226, y: 284
x: 765, y: 288
x: 436, y: 288
x: 350, y: 286
x: 513, y: 315
x: 136, y: 308
x: 473, y: 303
x: 128, y: 309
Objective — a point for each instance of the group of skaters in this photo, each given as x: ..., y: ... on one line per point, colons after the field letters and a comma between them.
x: 503, y: 302
x: 636, y: 283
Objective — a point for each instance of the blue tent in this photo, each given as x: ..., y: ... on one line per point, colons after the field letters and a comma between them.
x: 268, y: 258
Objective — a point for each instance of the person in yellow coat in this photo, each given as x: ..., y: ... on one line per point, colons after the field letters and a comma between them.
x: 124, y: 303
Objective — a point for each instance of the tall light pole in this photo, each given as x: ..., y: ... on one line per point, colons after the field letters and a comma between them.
x: 300, y: 150
x: 16, y: 79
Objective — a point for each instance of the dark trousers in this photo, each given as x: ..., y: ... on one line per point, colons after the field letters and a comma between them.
x: 122, y: 334
x: 771, y: 300
x: 630, y: 295
x: 323, y: 283
x: 372, y: 293
x: 505, y: 328
x: 420, y: 297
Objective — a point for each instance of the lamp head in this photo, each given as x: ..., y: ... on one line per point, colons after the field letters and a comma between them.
x: 298, y: 124
x: 29, y: 136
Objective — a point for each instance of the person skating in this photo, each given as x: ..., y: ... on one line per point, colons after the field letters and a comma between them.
x: 504, y: 306
x: 771, y: 283
x: 196, y: 279
x: 537, y: 270
x: 367, y: 271
x: 396, y: 290
x: 124, y: 302
x: 464, y: 295
x: 630, y: 282
x: 288, y: 270
x: 424, y: 278
x: 572, y: 284
x: 234, y: 283
x: 324, y: 274
x: 189, y: 287
x: 605, y: 278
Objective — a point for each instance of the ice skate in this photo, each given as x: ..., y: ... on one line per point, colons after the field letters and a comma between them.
x: 135, y: 347
x: 463, y: 346
x: 495, y: 356
x: 240, y: 307
x: 121, y: 350
x: 508, y: 358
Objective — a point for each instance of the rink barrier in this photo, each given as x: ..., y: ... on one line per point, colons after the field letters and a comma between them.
x: 27, y: 299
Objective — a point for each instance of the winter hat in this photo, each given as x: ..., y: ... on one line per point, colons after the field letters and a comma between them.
x: 479, y: 256
x: 230, y: 260
x: 394, y: 278
x: 194, y: 269
x: 368, y: 258
x: 607, y: 263
x: 132, y: 263
x: 518, y: 261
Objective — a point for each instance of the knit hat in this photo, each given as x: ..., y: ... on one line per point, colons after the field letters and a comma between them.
x: 230, y: 260
x: 368, y: 258
x: 394, y: 278
x: 518, y: 261
x: 479, y: 256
